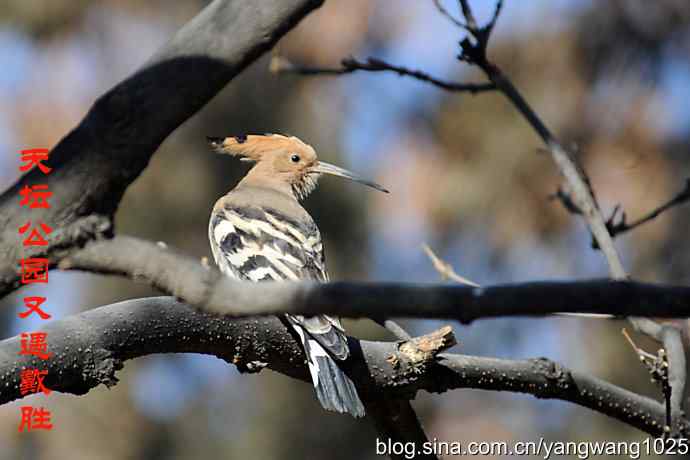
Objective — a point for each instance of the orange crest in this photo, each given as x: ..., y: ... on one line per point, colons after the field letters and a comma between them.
x: 256, y: 147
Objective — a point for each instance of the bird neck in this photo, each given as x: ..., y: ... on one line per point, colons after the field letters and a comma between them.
x: 257, y: 179
x: 256, y: 195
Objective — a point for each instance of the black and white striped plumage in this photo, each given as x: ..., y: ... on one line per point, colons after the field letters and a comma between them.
x: 259, y: 234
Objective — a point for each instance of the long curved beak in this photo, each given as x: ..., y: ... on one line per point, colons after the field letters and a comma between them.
x: 327, y: 168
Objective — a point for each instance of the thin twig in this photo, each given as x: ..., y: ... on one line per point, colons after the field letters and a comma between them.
x: 640, y: 352
x: 280, y: 64
x: 497, y: 12
x: 616, y: 228
x: 617, y: 222
x: 469, y: 16
x: 445, y: 269
x: 447, y: 272
x: 657, y: 365
x: 449, y: 16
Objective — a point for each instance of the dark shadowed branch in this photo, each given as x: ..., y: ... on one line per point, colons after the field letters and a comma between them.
x: 396, y: 420
x: 90, y: 347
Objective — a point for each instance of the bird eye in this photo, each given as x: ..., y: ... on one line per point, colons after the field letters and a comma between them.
x: 294, y: 158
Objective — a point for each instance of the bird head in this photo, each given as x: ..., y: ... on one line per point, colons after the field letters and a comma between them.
x: 283, y: 161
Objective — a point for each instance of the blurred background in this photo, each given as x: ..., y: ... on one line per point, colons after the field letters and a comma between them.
x: 466, y: 174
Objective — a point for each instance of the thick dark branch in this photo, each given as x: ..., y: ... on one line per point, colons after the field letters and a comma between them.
x: 547, y: 379
x: 90, y: 347
x: 280, y: 64
x: 95, y: 163
x: 206, y: 288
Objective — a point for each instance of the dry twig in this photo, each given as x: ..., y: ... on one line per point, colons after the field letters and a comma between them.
x: 617, y: 223
x: 445, y: 269
x: 280, y: 64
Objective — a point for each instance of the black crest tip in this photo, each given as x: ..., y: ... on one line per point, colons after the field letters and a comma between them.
x: 215, y: 141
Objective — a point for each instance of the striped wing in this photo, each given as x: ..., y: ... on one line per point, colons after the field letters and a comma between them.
x: 261, y: 244
x: 258, y: 244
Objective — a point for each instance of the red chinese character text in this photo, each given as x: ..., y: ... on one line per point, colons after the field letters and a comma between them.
x: 32, y: 382
x: 33, y: 305
x: 35, y: 419
x: 35, y: 238
x: 34, y: 270
x: 35, y: 157
x: 36, y: 196
x: 34, y: 343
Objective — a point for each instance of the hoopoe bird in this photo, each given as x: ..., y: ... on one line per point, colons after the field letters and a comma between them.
x: 260, y: 232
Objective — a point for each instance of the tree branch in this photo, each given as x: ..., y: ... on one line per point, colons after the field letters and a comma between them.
x: 445, y: 269
x: 449, y: 16
x: 206, y: 288
x: 616, y: 228
x: 280, y: 64
x: 396, y: 420
x: 95, y: 163
x: 90, y: 347
x: 617, y: 222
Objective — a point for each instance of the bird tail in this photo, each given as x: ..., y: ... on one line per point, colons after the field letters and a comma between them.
x: 334, y: 389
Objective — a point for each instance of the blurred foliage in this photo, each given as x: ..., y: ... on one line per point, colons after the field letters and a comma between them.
x: 466, y: 173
